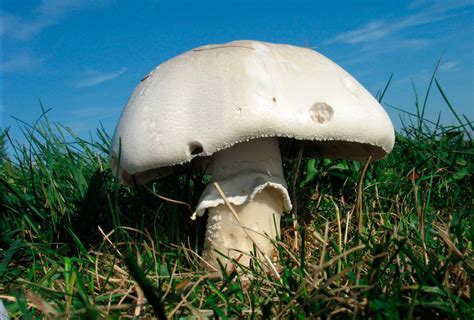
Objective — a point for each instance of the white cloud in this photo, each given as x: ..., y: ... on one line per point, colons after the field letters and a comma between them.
x: 92, y: 77
x: 377, y: 30
x: 393, y: 44
x: 47, y: 13
x: 94, y: 112
x: 22, y: 29
x: 20, y: 62
x: 417, y: 3
x: 57, y: 8
x: 448, y: 66
x: 87, y: 119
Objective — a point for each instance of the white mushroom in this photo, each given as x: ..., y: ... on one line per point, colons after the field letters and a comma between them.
x: 238, y: 104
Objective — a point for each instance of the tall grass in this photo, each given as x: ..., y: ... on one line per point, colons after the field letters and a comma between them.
x: 75, y: 243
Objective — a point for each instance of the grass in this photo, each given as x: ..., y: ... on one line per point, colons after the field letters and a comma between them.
x: 389, y: 239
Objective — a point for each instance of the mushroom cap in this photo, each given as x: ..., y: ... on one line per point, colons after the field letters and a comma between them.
x: 215, y: 96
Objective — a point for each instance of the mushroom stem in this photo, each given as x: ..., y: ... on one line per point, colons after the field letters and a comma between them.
x: 258, y: 225
x: 251, y: 177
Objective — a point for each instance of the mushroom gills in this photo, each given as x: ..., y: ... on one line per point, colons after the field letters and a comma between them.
x: 251, y: 177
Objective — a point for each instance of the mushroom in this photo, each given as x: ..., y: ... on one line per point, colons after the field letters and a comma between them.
x: 240, y: 107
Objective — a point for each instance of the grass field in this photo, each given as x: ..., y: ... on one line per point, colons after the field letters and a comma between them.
x: 389, y: 239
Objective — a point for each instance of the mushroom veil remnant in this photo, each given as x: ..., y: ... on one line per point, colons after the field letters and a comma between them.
x: 240, y: 107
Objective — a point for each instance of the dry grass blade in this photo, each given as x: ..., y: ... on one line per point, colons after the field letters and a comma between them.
x: 323, y: 253
x: 106, y: 237
x: 185, y: 297
x: 359, y: 195
x: 447, y: 239
x: 318, y: 270
x: 37, y: 302
x: 419, y: 211
x: 187, y: 205
x: 339, y: 232
x: 339, y: 275
x: 347, y: 226
x: 336, y: 258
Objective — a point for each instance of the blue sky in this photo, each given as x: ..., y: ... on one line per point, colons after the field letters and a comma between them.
x: 83, y: 58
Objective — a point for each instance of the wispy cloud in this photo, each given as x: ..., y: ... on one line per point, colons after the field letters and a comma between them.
x: 94, y: 112
x: 82, y: 120
x: 92, y: 77
x: 22, y: 29
x: 394, y: 44
x: 21, y: 62
x: 57, y: 8
x: 47, y: 13
x: 377, y: 30
x: 416, y: 4
x: 381, y: 29
x: 448, y: 66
